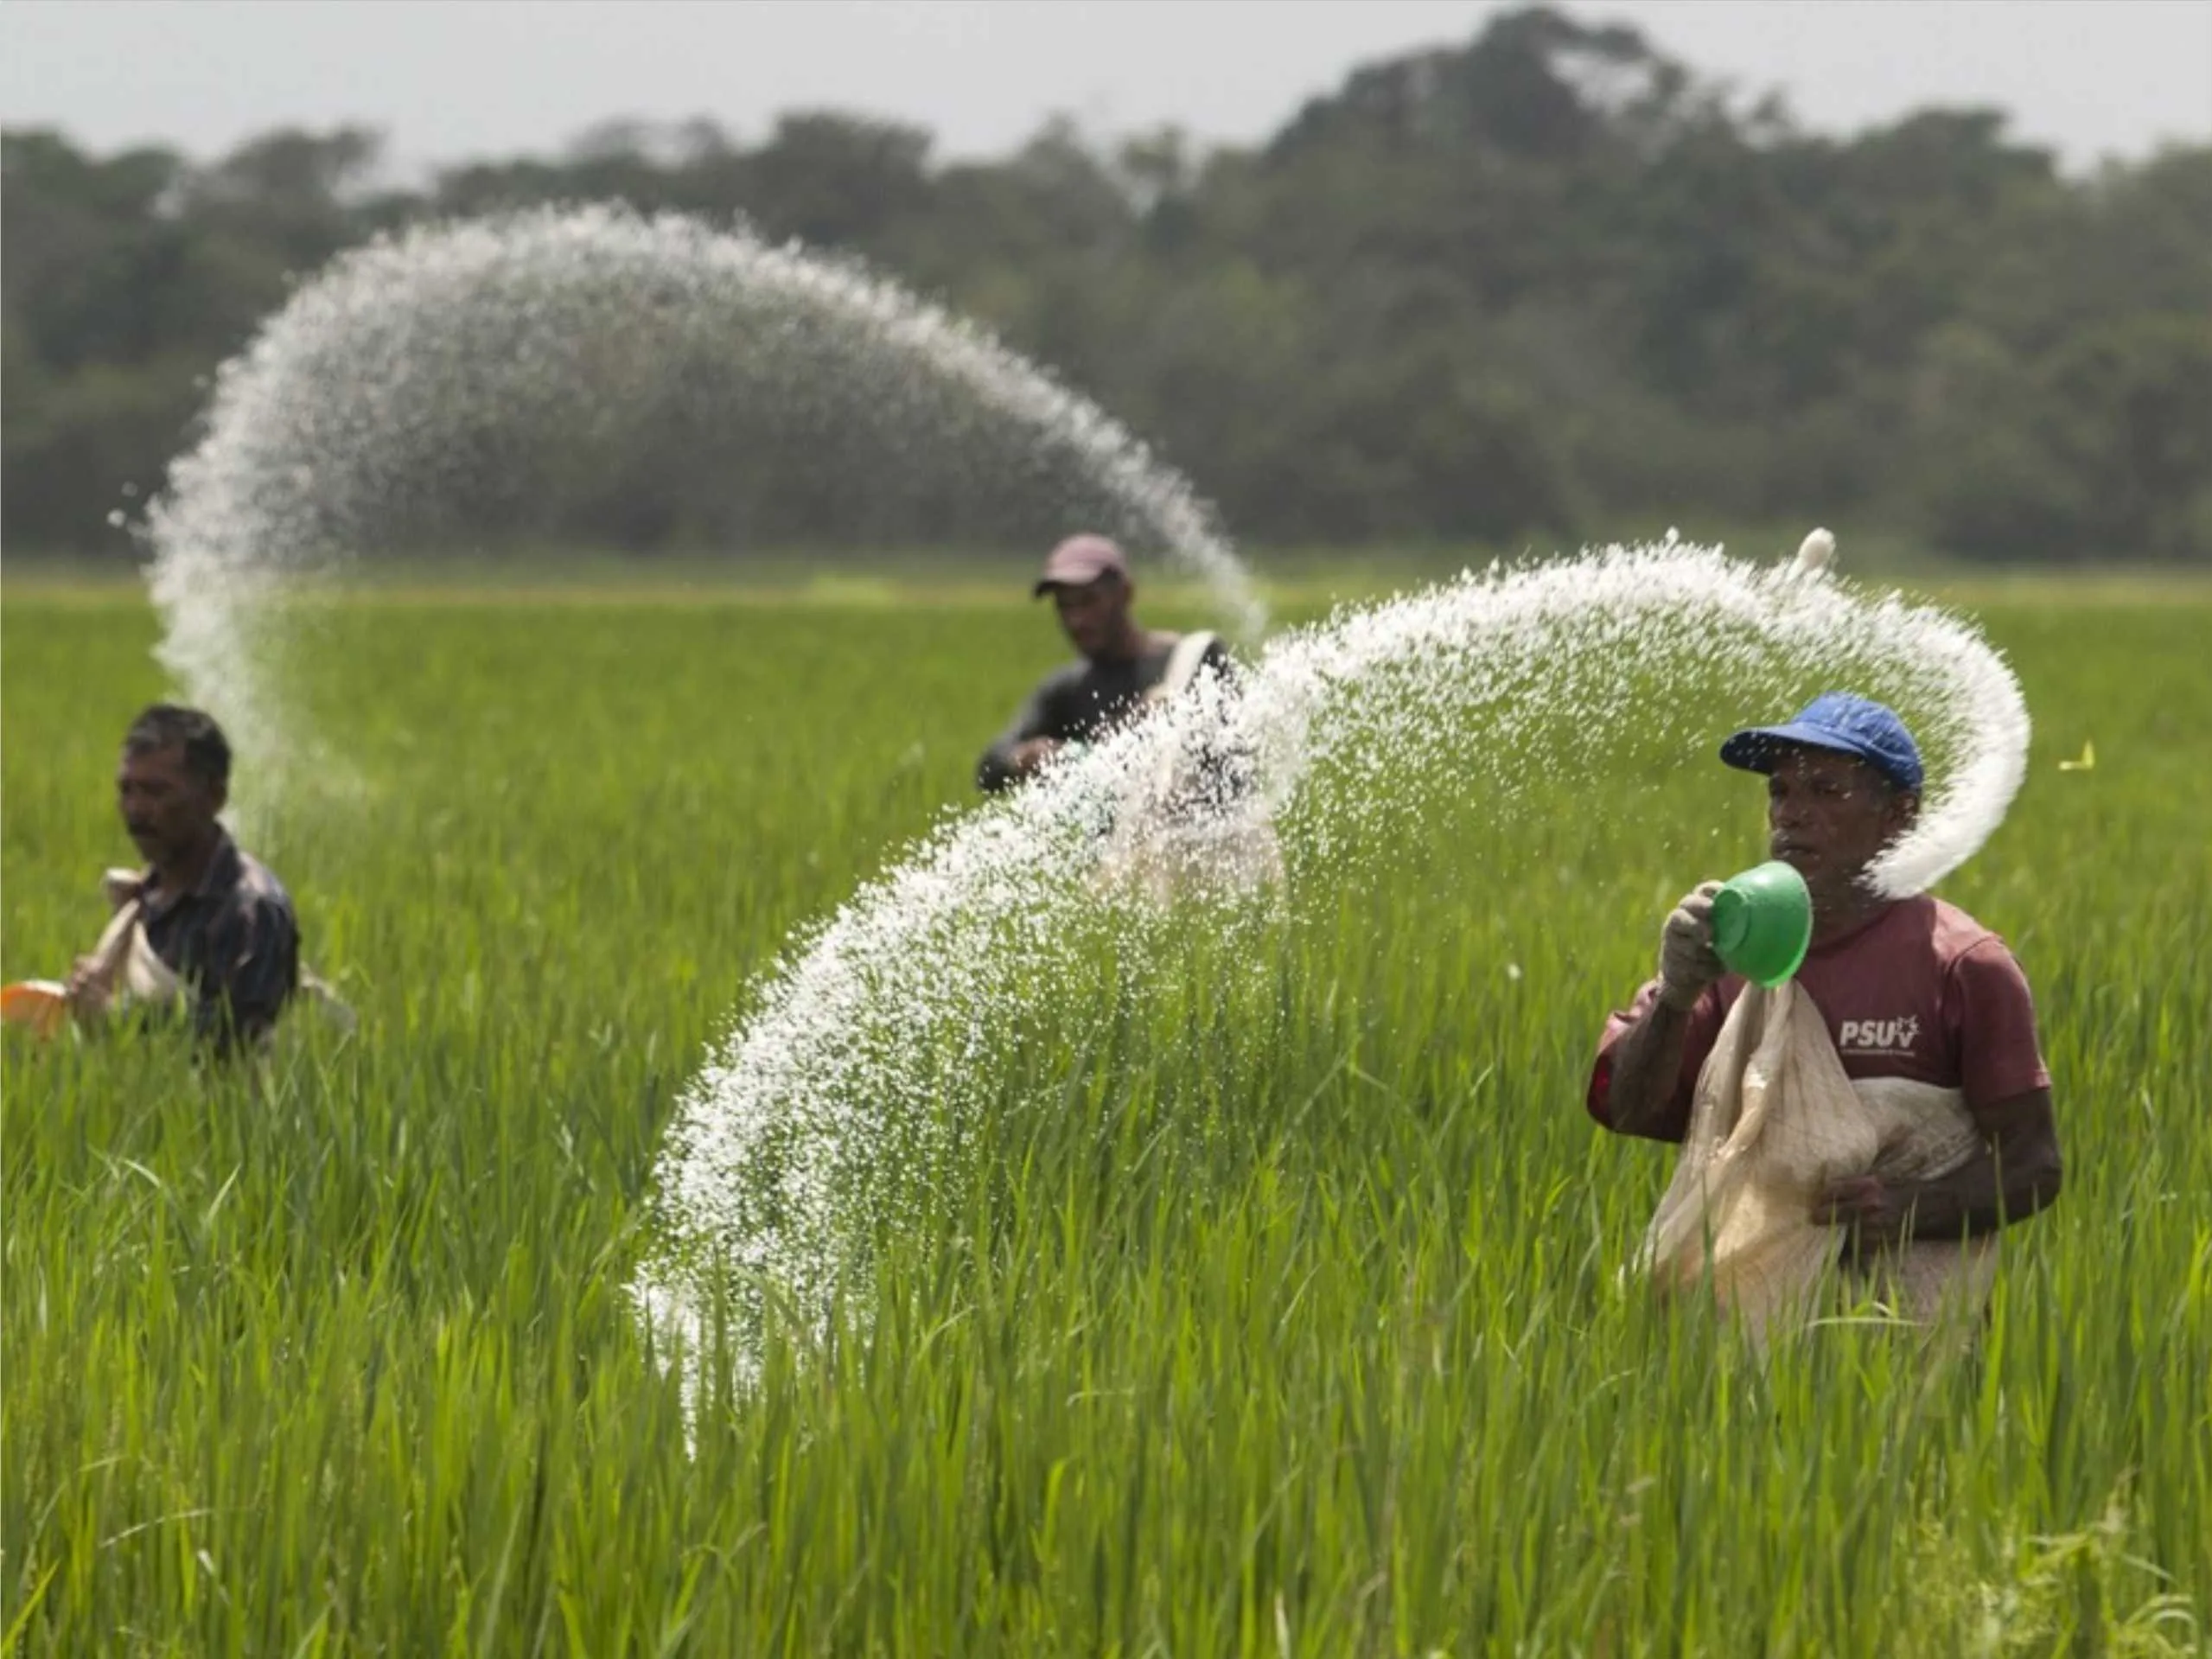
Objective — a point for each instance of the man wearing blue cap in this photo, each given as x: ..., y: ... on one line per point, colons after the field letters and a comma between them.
x: 1913, y: 989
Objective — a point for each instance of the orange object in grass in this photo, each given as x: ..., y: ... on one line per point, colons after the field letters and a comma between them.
x: 40, y: 1005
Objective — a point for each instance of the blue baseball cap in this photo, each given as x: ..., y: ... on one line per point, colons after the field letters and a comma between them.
x: 1840, y: 722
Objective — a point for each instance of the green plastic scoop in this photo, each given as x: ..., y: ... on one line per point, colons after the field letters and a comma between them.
x: 1763, y: 923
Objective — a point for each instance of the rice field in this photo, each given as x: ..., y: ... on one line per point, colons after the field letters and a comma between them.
x: 1290, y: 1323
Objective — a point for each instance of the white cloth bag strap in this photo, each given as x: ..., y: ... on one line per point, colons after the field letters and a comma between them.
x: 124, y: 961
x: 1183, y: 664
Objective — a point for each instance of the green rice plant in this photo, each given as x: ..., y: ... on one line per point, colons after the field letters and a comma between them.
x: 1280, y: 1313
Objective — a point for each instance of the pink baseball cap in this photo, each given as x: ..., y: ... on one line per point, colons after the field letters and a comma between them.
x: 1080, y: 561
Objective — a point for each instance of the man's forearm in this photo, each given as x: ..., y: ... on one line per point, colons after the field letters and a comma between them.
x: 1007, y: 762
x: 1647, y: 1074
x: 1981, y: 1196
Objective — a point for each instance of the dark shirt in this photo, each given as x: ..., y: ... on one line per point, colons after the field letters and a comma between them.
x: 1083, y: 701
x: 232, y: 940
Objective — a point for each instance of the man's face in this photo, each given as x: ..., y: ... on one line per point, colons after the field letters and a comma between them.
x: 166, y: 809
x: 1093, y: 615
x: 1828, y: 814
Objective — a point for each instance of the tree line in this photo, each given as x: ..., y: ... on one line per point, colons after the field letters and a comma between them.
x: 1543, y: 284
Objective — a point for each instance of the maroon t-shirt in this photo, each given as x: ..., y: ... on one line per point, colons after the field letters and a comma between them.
x: 1920, y: 991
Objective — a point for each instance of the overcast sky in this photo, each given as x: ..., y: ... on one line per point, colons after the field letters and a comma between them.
x: 454, y: 79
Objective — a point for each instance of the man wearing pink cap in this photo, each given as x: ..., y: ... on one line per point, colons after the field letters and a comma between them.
x: 1123, y: 666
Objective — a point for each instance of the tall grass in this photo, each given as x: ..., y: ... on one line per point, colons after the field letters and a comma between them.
x: 1291, y: 1325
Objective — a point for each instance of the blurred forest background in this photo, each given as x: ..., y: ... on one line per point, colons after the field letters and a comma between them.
x: 1547, y: 285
